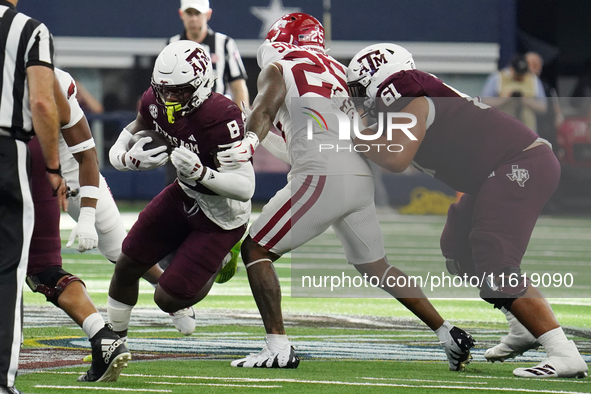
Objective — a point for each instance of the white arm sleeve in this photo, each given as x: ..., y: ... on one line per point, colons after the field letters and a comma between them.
x: 119, y: 149
x: 236, y: 183
x: 276, y: 145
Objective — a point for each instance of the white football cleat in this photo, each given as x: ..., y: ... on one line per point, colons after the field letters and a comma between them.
x: 565, y: 362
x: 184, y: 320
x: 518, y: 341
x: 457, y: 347
x: 284, y: 358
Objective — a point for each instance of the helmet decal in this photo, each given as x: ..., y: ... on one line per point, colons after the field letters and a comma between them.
x: 371, y: 61
x: 298, y: 29
x: 182, y: 78
x: 371, y: 66
x: 199, y: 60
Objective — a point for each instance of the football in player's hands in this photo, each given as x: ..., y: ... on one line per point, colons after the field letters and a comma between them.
x: 157, y: 140
x: 147, y: 150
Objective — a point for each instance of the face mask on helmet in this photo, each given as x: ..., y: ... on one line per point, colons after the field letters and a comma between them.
x: 182, y: 79
x: 298, y: 29
x: 373, y: 65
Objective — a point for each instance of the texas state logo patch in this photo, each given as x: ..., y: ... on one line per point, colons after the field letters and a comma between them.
x: 520, y: 175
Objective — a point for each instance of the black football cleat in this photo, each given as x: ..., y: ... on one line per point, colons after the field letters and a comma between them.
x: 109, y: 356
x: 9, y: 390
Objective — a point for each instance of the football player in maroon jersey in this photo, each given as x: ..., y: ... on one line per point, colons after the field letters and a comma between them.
x: 507, y: 175
x: 201, y: 215
x: 295, y: 68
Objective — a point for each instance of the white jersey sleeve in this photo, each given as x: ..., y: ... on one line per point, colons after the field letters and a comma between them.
x: 269, y: 53
x: 68, y: 87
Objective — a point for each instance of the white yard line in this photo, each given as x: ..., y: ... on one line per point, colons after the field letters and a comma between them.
x: 43, y: 386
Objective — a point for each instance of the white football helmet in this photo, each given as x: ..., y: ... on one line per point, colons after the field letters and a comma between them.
x: 373, y: 64
x: 182, y: 78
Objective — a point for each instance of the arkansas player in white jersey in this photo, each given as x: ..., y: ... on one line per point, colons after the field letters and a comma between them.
x: 104, y: 228
x: 333, y: 190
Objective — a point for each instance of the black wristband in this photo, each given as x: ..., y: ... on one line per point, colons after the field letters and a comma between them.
x: 57, y: 171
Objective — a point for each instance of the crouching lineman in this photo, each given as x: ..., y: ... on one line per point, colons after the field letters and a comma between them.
x: 201, y: 215
x: 44, y: 272
x: 507, y: 175
x: 306, y: 206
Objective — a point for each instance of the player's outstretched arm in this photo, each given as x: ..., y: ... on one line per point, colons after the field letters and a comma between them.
x: 270, y: 97
x: 272, y: 142
x: 76, y: 133
x: 136, y: 158
x: 82, y: 147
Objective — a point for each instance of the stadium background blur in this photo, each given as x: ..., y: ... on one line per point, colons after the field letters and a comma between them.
x: 110, y: 46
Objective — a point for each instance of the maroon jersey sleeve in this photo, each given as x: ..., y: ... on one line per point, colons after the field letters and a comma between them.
x: 216, y: 123
x: 221, y: 124
x: 398, y: 90
x: 467, y: 140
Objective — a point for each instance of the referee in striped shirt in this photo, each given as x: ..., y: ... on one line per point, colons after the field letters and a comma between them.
x: 225, y: 58
x: 27, y: 106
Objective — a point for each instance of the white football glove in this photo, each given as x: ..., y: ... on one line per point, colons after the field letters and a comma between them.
x: 188, y: 164
x: 241, y: 153
x: 138, y: 159
x: 247, y: 111
x: 84, y: 231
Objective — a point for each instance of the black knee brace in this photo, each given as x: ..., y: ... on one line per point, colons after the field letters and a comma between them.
x: 46, y: 283
x: 503, y: 288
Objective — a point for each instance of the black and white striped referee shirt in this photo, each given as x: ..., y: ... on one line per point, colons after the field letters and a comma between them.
x: 225, y: 58
x: 24, y: 42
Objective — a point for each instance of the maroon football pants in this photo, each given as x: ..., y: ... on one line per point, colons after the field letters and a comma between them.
x: 489, y: 232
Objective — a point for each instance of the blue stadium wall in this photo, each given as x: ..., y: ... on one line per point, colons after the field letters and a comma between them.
x: 373, y: 20
x: 463, y: 21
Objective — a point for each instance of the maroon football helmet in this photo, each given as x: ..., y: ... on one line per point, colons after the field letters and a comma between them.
x: 298, y: 29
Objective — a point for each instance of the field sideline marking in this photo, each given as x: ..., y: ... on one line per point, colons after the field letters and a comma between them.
x: 219, y: 385
x: 422, y: 380
x: 340, y: 383
x: 328, y: 382
x: 352, y: 383
x: 43, y: 386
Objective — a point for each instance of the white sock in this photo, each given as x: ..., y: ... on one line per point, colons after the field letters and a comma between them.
x: 277, y: 342
x: 119, y: 314
x: 553, y: 339
x: 93, y: 324
x: 443, y: 331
